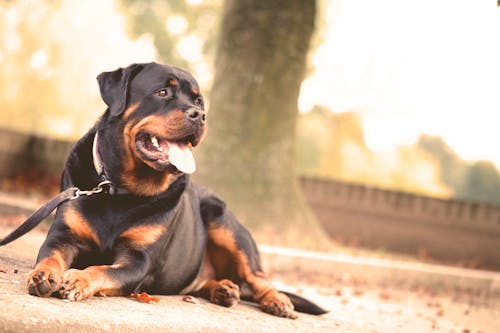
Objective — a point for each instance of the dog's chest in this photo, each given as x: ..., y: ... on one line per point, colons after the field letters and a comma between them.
x: 112, y: 219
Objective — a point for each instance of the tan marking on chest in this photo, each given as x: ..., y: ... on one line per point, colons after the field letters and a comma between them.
x: 143, y: 235
x: 79, y: 225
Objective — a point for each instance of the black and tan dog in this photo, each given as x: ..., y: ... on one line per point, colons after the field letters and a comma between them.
x: 152, y: 230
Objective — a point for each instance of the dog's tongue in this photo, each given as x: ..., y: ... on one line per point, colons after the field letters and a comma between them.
x: 181, y: 157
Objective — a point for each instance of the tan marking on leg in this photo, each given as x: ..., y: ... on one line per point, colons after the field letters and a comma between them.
x: 224, y: 238
x: 79, y: 225
x: 224, y: 292
x: 55, y: 261
x: 277, y: 304
x: 82, y: 284
x: 46, y: 277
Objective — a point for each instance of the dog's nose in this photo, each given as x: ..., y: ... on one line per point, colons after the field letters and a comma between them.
x: 196, y: 115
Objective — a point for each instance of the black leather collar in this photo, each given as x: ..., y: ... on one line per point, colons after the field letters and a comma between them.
x: 100, y: 168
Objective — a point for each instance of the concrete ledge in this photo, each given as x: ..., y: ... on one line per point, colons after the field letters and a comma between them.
x: 384, y: 272
x: 354, y: 310
x: 24, y: 313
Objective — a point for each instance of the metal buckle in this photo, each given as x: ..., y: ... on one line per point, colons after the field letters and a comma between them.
x: 98, y: 189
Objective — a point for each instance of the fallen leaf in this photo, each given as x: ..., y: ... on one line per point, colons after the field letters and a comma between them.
x: 190, y: 299
x: 384, y: 295
x: 357, y: 292
x: 144, y: 297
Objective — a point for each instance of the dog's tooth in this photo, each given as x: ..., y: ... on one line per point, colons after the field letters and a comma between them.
x: 156, y: 144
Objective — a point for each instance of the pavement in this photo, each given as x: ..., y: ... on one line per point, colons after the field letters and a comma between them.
x: 362, y: 293
x: 24, y: 313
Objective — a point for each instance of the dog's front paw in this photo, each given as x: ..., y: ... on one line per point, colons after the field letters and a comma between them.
x: 43, y: 281
x: 277, y: 304
x: 77, y: 285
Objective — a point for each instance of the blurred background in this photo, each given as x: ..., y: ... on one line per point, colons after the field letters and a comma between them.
x: 401, y: 96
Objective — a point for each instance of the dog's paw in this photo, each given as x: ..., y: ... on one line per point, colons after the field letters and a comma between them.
x: 277, y: 304
x: 225, y: 293
x: 76, y: 285
x: 43, y: 282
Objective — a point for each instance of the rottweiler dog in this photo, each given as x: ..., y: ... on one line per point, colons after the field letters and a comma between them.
x: 151, y: 229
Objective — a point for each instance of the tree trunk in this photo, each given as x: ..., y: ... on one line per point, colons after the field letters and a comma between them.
x: 248, y: 157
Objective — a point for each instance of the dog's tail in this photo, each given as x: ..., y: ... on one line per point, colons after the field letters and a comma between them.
x: 303, y: 305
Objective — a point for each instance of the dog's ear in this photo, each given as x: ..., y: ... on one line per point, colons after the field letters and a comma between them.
x: 114, y: 87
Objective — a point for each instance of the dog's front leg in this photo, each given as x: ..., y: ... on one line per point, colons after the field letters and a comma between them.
x: 47, y: 276
x: 120, y: 278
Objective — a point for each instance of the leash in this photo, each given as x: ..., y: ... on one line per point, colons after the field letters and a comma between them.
x: 71, y: 193
x: 37, y: 217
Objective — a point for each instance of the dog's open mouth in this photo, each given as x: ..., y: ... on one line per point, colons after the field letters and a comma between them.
x: 167, y: 155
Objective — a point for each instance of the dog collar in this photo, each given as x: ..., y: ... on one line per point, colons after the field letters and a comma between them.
x: 101, y: 170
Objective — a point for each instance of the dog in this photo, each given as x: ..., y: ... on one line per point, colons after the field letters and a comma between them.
x: 150, y: 229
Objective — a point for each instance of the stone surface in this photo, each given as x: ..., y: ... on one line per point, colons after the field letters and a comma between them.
x: 355, y: 304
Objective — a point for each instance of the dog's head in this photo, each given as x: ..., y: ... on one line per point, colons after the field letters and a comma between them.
x: 158, y: 111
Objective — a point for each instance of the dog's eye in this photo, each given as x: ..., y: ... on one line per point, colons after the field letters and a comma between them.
x: 164, y: 93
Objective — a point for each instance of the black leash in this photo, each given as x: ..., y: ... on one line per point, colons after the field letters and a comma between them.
x: 37, y: 217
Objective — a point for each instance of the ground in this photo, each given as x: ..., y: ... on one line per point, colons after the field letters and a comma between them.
x: 357, y: 300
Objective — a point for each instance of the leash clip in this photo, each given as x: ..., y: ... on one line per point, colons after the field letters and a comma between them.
x: 98, y: 189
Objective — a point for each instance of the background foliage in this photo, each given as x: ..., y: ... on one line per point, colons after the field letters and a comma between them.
x: 51, y: 51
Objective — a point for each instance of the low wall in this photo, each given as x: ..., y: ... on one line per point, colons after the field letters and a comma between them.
x: 450, y: 230
x: 20, y: 151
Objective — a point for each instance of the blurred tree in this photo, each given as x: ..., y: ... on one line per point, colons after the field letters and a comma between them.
x: 452, y: 168
x: 248, y: 156
x: 481, y: 183
x: 332, y: 145
x: 322, y: 136
x: 151, y: 18
x: 20, y: 49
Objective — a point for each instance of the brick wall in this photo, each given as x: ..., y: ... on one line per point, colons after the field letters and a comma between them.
x: 19, y: 151
x: 449, y: 230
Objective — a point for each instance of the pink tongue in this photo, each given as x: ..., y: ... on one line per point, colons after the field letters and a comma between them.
x: 182, y: 157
